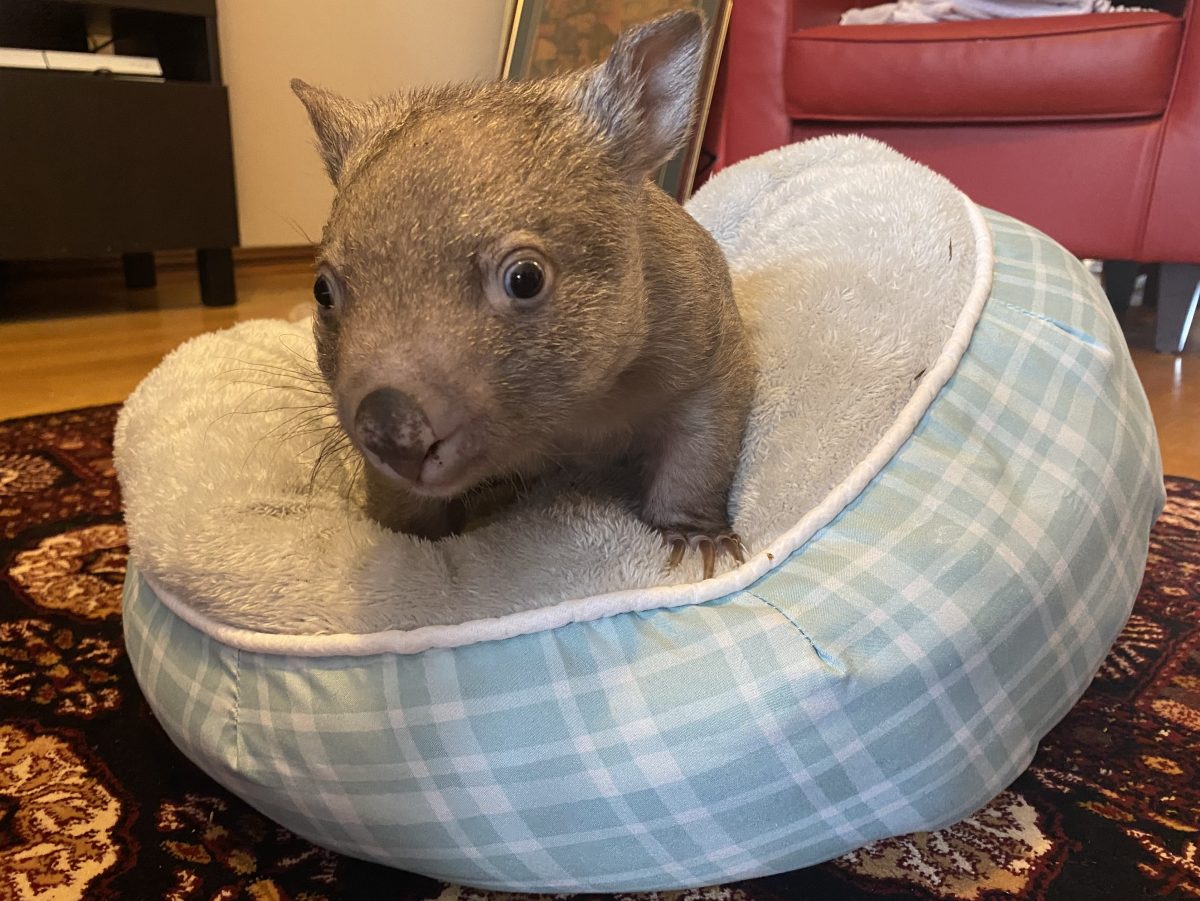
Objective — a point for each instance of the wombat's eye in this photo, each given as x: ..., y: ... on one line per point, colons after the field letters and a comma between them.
x: 326, y: 291
x: 524, y: 279
x: 518, y: 277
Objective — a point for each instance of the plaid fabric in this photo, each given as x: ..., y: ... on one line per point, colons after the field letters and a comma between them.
x: 892, y: 675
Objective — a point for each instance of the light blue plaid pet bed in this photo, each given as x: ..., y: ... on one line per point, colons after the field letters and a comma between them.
x: 885, y: 664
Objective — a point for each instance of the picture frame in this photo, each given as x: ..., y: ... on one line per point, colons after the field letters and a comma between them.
x: 547, y: 37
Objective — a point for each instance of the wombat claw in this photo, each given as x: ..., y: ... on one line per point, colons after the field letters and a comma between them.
x: 709, y: 546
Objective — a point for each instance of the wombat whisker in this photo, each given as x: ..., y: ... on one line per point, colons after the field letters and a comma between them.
x: 325, y: 433
x: 318, y: 392
x: 356, y: 474
x: 286, y: 342
x: 299, y: 229
x: 302, y: 408
x: 294, y: 379
x: 332, y: 439
x: 326, y: 402
x: 325, y: 445
x: 256, y: 412
x: 298, y: 424
x: 331, y: 446
x: 266, y: 364
x: 308, y: 373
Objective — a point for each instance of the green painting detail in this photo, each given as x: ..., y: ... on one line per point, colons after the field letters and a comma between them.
x: 550, y: 37
x: 576, y: 33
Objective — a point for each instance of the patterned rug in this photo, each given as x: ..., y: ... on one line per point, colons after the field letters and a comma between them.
x: 96, y: 803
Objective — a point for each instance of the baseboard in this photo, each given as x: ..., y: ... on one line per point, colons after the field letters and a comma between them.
x: 164, y: 260
x: 249, y: 256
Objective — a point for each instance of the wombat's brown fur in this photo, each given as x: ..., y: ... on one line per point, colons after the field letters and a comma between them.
x: 501, y: 286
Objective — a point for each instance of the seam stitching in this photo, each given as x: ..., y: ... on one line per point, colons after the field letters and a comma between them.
x: 821, y: 655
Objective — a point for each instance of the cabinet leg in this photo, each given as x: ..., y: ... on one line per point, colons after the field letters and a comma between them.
x: 217, y: 288
x: 139, y: 270
x: 1178, y: 294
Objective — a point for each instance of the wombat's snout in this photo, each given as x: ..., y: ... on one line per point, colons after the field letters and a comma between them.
x: 393, y: 428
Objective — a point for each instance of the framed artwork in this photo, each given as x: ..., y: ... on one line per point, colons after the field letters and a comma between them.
x: 547, y: 37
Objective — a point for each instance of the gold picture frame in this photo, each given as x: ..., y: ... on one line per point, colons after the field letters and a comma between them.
x: 547, y: 37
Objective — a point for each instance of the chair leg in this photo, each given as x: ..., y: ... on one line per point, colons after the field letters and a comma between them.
x: 1153, y: 277
x: 1119, y: 278
x: 1178, y: 294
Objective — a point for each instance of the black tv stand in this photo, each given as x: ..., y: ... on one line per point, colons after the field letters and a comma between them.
x: 102, y: 166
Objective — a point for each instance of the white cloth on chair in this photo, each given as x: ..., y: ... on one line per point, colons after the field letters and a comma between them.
x: 916, y: 12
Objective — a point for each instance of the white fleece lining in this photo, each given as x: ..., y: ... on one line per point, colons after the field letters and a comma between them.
x: 611, y: 604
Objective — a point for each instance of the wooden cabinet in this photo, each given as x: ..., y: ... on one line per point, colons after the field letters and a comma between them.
x: 96, y: 165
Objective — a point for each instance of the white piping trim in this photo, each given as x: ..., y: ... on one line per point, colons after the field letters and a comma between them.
x: 632, y: 600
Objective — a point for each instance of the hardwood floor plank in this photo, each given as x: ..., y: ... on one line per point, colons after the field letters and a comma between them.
x: 83, y: 340
x: 1172, y: 385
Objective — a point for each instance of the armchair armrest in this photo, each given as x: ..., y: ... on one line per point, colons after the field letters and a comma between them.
x: 753, y: 118
x: 1173, y: 217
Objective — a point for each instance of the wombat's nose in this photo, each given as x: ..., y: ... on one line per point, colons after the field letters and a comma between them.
x: 391, y: 426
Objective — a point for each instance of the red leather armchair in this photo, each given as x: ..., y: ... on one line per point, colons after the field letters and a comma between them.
x: 1087, y: 127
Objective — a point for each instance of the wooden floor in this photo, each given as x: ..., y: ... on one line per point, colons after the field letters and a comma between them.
x: 1172, y: 384
x: 76, y: 341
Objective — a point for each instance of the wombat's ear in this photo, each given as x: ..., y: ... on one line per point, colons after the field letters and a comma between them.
x: 643, y: 97
x: 335, y: 119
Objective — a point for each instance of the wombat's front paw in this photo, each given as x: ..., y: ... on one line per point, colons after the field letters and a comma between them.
x: 709, y: 545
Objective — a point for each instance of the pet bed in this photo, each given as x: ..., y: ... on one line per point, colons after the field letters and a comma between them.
x: 946, y: 488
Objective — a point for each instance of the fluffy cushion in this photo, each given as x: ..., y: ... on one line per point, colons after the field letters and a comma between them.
x: 886, y: 663
x: 218, y: 446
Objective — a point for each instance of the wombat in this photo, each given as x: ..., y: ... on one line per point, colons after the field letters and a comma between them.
x: 501, y: 287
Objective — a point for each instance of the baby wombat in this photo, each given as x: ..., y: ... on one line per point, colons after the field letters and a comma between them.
x: 501, y: 287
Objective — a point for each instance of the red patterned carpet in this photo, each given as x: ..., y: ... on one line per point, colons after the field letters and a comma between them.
x: 96, y: 803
